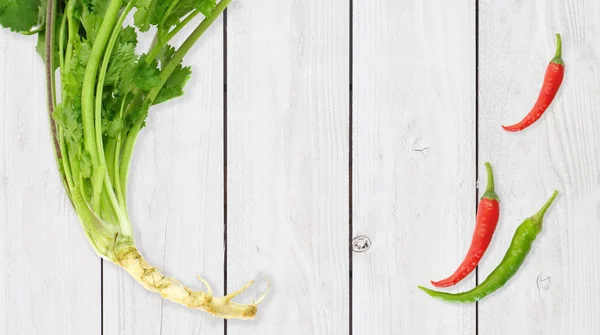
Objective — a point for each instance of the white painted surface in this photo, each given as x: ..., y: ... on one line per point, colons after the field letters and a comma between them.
x: 414, y: 162
x: 557, y: 291
x: 49, y: 275
x: 287, y: 189
x: 288, y: 96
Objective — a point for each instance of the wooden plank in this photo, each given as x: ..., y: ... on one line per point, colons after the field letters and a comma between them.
x: 557, y: 291
x: 176, y: 202
x: 49, y: 274
x: 288, y: 163
x: 413, y: 162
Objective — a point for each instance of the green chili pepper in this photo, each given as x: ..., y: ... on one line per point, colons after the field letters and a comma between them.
x: 510, y: 264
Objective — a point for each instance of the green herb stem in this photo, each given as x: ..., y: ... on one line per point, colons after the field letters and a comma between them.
x: 102, y: 77
x: 117, y: 161
x: 61, y: 43
x: 164, y: 18
x: 164, y: 75
x: 97, y: 182
x: 101, y: 159
x: 127, y: 153
x: 39, y: 29
x: 91, y: 70
x: 73, y: 28
x: 155, y: 50
x: 60, y: 131
x: 51, y: 86
x: 181, y: 25
x: 65, y: 65
x: 185, y: 48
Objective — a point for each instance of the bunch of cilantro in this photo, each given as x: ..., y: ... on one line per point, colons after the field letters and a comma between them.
x: 106, y: 90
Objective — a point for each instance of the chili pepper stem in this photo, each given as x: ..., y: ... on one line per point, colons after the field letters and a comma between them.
x: 558, y: 54
x: 540, y: 215
x: 490, y: 192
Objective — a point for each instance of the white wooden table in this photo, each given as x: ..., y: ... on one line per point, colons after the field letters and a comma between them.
x: 308, y: 123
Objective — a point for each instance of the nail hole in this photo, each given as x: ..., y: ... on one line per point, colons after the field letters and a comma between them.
x: 361, y: 244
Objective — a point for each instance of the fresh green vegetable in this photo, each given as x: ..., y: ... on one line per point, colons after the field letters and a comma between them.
x: 106, y: 92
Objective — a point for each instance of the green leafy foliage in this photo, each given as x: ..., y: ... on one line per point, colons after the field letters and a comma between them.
x: 82, y: 52
x: 129, y: 77
x: 21, y: 15
x: 184, y: 7
x: 69, y: 119
x: 112, y: 128
x: 91, y: 22
x: 99, y: 6
x: 165, y: 55
x: 137, y: 115
x: 42, y: 12
x: 147, y: 74
x: 40, y: 47
x: 85, y: 164
x: 206, y: 6
x: 128, y: 36
x: 124, y: 57
x: 173, y: 87
x: 143, y: 15
x: 103, y: 98
x: 73, y: 80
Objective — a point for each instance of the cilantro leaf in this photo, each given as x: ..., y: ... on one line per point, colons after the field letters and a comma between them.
x: 140, y: 19
x: 65, y: 118
x: 91, y: 23
x: 142, y: 16
x: 180, y: 10
x: 124, y: 57
x: 205, y: 6
x: 146, y: 77
x: 99, y: 6
x: 138, y: 114
x: 165, y: 55
x: 70, y: 120
x: 128, y: 35
x: 112, y: 128
x: 20, y: 15
x: 85, y: 164
x: 83, y: 51
x: 173, y: 87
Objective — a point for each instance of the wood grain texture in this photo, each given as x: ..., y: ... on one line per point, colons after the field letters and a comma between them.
x: 288, y: 107
x: 415, y: 158
x: 557, y: 291
x: 176, y: 202
x: 413, y: 162
x: 49, y: 275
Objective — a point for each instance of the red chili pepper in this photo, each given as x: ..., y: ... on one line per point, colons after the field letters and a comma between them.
x: 555, y: 73
x: 487, y: 218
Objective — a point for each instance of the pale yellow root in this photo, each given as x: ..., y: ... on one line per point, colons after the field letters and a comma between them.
x: 154, y: 280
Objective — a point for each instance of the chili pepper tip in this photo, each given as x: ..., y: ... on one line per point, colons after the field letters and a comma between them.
x: 513, y: 128
x: 540, y: 214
